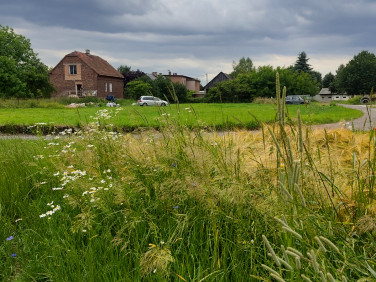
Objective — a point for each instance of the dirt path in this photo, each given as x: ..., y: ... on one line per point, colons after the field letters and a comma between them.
x: 364, y: 123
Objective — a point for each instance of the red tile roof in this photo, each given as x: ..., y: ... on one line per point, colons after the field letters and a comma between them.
x: 100, y: 66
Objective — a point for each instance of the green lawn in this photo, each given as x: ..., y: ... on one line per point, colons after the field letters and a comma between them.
x: 219, y: 116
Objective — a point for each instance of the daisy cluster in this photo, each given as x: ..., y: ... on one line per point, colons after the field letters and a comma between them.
x: 51, y: 212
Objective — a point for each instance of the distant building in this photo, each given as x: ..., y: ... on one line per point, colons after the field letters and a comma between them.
x: 82, y: 74
x: 217, y: 79
x: 325, y: 95
x: 189, y: 82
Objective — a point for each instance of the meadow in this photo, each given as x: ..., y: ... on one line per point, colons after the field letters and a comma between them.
x: 285, y: 203
x: 16, y: 117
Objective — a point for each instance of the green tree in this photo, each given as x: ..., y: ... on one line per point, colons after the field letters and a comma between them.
x: 179, y: 91
x: 316, y: 76
x: 301, y: 63
x: 261, y: 83
x: 328, y: 80
x: 137, y: 88
x: 338, y: 79
x: 358, y: 76
x: 22, y: 74
x: 245, y: 65
x: 124, y: 69
x: 161, y: 86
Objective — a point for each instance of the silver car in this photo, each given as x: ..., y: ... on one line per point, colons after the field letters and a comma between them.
x: 295, y: 99
x: 151, y: 101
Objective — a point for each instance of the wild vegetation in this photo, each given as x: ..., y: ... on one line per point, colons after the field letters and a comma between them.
x: 286, y: 203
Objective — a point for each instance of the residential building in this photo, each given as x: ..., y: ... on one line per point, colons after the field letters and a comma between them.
x: 217, y: 79
x: 83, y: 74
x: 189, y: 82
x: 325, y: 95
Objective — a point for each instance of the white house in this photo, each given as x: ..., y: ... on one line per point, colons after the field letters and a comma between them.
x: 325, y: 95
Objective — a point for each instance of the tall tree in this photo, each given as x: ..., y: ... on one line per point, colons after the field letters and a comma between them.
x: 22, y: 74
x: 245, y: 65
x: 124, y: 69
x: 328, y: 80
x: 130, y: 75
x: 359, y: 75
x: 301, y: 63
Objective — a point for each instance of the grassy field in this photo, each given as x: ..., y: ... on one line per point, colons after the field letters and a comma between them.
x: 219, y: 116
x: 283, y: 204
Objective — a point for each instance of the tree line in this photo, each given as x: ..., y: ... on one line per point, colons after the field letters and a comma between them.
x: 249, y: 82
x: 23, y: 75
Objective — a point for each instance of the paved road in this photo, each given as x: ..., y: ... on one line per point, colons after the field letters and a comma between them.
x: 364, y: 123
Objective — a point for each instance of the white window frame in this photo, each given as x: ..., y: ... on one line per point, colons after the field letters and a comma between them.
x: 110, y: 87
x: 105, y: 87
x: 72, y: 69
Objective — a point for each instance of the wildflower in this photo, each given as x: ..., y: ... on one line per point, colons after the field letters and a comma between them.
x: 65, y: 196
x: 57, y: 173
x: 281, y: 165
x: 57, y: 188
x: 152, y: 245
x: 173, y: 165
x: 175, y: 207
x: 90, y: 146
x: 13, y: 255
x: 10, y: 238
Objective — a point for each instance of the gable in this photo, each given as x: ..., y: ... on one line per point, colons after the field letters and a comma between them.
x: 97, y: 64
x: 217, y: 79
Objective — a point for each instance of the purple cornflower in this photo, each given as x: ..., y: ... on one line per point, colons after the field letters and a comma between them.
x: 14, y: 255
x: 175, y: 207
x: 173, y: 165
x: 10, y: 238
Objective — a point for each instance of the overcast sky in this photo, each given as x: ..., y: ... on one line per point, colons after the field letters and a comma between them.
x: 196, y: 37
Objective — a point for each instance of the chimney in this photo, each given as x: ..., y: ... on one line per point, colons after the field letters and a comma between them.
x: 87, y: 52
x: 169, y: 72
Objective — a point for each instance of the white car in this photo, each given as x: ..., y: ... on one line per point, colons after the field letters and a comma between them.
x: 151, y: 101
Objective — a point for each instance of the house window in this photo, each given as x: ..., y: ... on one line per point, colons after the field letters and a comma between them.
x: 72, y: 69
x: 108, y: 87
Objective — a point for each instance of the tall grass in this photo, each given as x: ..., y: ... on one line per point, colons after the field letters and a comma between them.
x: 286, y: 203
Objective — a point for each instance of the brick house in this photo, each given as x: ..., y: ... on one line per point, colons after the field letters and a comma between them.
x: 82, y: 74
x: 189, y: 82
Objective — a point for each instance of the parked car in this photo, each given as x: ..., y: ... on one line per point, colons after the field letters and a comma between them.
x: 151, y: 101
x: 295, y: 99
